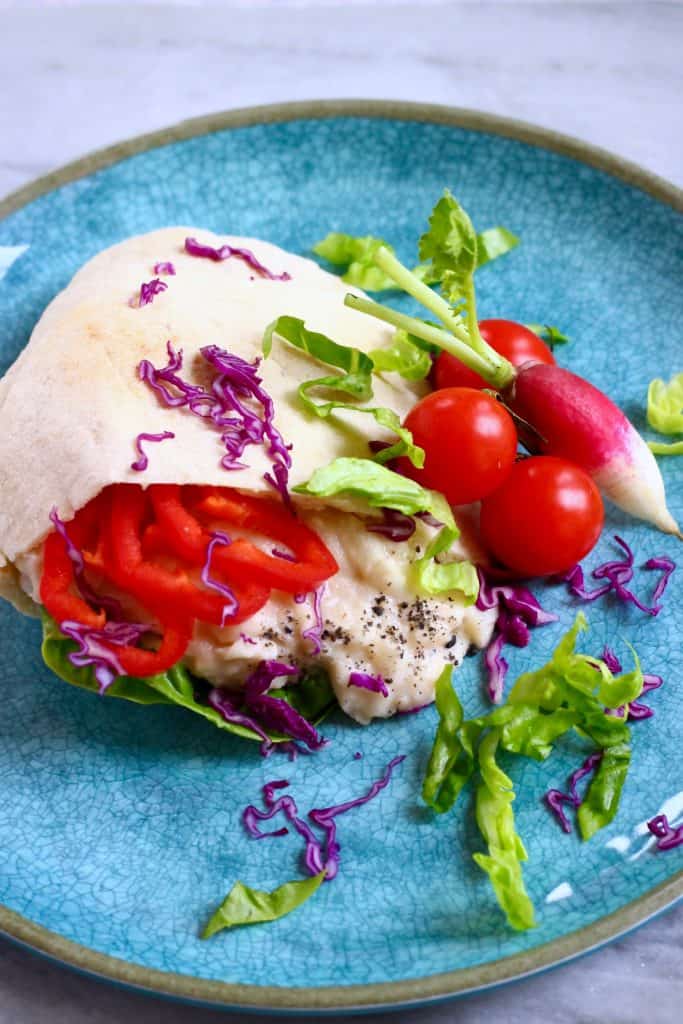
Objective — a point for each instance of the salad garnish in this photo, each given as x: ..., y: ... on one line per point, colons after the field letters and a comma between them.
x: 367, y: 681
x: 165, y: 267
x: 225, y: 407
x: 665, y: 413
x: 667, y: 836
x: 142, y: 461
x: 572, y: 691
x: 243, y: 905
x: 149, y: 290
x: 357, y: 254
x: 226, y: 252
x: 356, y: 381
x: 617, y: 573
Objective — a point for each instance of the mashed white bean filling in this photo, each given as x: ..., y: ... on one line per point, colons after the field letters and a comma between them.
x: 373, y: 622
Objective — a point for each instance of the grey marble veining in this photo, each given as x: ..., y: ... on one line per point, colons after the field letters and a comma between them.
x: 83, y: 76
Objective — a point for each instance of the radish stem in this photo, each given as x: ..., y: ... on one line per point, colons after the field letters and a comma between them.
x: 452, y: 320
x: 499, y: 377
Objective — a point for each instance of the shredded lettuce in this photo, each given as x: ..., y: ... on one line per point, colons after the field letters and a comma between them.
x: 357, y: 253
x: 665, y: 413
x: 404, y: 357
x: 243, y: 905
x: 356, y: 381
x: 550, y: 335
x: 312, y: 696
x: 506, y: 851
x: 571, y: 692
x: 380, y: 487
x: 434, y: 577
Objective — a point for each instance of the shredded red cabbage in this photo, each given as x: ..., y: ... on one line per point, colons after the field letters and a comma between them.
x: 667, y: 836
x: 314, y: 632
x: 231, y: 605
x: 635, y: 710
x: 365, y: 681
x: 318, y: 856
x: 618, y: 573
x: 142, y: 461
x: 148, y: 291
x: 279, y: 553
x: 247, y: 639
x: 226, y: 252
x: 94, y: 652
x: 224, y: 406
x: 395, y: 525
x: 518, y: 612
x: 274, y: 712
x: 555, y: 797
x: 164, y: 268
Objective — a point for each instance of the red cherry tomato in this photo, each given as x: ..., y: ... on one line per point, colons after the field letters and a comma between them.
x: 514, y: 341
x: 469, y: 440
x: 545, y: 518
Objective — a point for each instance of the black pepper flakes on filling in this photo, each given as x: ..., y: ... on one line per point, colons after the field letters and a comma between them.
x: 451, y: 643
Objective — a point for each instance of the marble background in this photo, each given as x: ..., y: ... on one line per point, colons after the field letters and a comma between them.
x: 76, y: 76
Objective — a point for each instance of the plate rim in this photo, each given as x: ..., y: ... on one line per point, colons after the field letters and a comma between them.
x: 380, y: 995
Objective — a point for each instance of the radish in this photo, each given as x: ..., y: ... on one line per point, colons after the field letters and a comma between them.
x: 569, y: 417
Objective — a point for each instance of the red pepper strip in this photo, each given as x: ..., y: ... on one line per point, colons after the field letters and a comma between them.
x: 165, y: 592
x: 58, y: 582
x: 136, y: 661
x: 242, y: 559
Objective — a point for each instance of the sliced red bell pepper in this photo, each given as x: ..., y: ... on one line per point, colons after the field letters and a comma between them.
x: 166, y: 592
x: 242, y: 560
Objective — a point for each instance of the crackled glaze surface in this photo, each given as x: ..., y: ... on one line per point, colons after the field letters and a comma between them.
x: 120, y: 825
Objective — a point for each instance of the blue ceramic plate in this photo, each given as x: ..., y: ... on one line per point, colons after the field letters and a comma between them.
x: 120, y: 825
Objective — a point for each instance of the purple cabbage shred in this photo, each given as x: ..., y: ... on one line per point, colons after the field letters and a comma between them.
x: 148, y: 291
x: 394, y: 525
x: 318, y: 855
x: 518, y: 613
x: 365, y: 681
x: 226, y: 252
x: 142, y: 461
x: 225, y: 407
x: 164, y: 268
x: 93, y: 651
x: 555, y: 798
x: 666, y: 835
x: 314, y: 632
x: 635, y: 711
x: 617, y: 573
x: 231, y: 605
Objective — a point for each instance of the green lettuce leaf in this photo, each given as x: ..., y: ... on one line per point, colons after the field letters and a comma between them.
x: 378, y: 487
x: 243, y: 905
x: 550, y: 335
x: 506, y: 851
x: 665, y: 405
x: 433, y: 577
x: 601, y: 801
x: 494, y: 242
x: 450, y: 245
x: 665, y: 413
x: 572, y: 691
x: 356, y: 381
x: 452, y: 760
x: 404, y: 357
x: 662, y: 448
x: 312, y: 696
x: 357, y: 253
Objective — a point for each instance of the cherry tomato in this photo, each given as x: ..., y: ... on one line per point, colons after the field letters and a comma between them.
x: 514, y: 341
x: 469, y: 441
x: 545, y: 518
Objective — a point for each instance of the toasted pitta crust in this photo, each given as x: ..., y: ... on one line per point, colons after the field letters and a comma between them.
x: 72, y: 404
